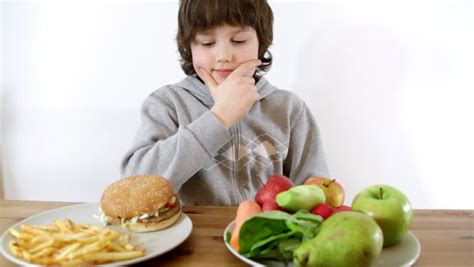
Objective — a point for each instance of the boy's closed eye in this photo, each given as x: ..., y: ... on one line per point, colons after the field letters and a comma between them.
x: 208, y: 44
x: 239, y: 41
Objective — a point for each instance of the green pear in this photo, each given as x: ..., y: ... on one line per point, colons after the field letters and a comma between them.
x: 345, y: 239
x: 301, y: 197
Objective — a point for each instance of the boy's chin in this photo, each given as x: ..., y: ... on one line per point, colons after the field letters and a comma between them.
x: 219, y: 79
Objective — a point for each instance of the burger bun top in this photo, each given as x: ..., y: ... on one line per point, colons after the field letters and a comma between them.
x: 135, y: 195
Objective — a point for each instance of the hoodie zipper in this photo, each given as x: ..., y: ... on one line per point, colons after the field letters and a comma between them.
x: 236, y: 165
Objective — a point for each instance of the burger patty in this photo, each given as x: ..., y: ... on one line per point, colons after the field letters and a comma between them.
x: 163, y: 215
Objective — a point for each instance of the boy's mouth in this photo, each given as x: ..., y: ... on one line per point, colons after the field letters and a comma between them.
x: 223, y: 72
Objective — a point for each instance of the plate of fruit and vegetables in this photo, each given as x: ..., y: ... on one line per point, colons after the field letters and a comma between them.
x: 297, y: 227
x: 404, y: 253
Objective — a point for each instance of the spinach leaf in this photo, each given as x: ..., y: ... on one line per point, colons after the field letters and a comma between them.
x: 275, y: 234
x: 260, y: 227
x: 228, y: 237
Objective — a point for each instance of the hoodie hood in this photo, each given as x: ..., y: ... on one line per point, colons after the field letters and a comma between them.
x: 197, y: 88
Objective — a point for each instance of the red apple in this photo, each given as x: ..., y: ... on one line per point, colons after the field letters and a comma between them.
x: 271, y: 205
x: 324, y: 210
x: 342, y: 208
x: 265, y: 197
x: 332, y: 189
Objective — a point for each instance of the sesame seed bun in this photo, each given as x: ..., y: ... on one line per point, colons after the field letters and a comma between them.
x: 138, y: 195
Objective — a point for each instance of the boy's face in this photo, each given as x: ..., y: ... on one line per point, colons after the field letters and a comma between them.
x: 222, y: 49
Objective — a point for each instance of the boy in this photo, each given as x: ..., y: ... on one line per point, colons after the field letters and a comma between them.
x: 223, y: 130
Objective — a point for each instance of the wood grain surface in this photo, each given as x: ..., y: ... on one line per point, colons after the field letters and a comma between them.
x: 446, y: 236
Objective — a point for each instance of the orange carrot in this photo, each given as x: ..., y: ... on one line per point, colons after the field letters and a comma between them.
x: 246, y: 209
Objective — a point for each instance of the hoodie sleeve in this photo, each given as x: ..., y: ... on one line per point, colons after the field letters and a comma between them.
x: 176, y: 152
x: 305, y: 155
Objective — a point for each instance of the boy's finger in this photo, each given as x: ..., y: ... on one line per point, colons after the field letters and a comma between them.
x: 247, y: 68
x: 208, y: 79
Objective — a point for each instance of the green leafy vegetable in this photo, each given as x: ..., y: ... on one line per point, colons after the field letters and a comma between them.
x: 228, y: 236
x: 276, y: 234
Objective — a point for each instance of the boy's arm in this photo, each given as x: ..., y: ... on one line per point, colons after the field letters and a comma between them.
x: 305, y: 152
x: 161, y: 147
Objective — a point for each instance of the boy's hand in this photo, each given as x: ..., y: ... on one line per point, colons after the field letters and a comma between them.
x: 234, y: 97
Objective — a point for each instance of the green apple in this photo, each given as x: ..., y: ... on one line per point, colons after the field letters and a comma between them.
x: 389, y: 207
x: 345, y: 239
x: 332, y: 189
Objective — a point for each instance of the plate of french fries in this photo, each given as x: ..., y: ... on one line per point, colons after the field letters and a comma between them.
x: 74, y: 236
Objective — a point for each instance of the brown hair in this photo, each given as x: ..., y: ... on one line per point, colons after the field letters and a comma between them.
x: 199, y: 15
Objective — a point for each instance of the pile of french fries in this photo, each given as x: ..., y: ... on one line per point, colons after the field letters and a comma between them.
x: 67, y: 243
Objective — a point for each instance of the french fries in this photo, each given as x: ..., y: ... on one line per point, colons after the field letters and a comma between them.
x: 66, y: 243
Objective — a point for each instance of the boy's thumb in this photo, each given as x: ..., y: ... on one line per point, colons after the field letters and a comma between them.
x: 208, y: 79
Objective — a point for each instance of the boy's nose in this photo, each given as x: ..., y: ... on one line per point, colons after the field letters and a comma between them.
x: 223, y: 53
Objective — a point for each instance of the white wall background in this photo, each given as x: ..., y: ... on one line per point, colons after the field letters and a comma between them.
x: 390, y: 84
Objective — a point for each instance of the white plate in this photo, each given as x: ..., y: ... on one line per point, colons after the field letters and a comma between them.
x: 155, y: 243
x: 404, y: 253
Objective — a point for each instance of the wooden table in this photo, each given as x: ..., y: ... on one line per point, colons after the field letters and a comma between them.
x: 446, y: 236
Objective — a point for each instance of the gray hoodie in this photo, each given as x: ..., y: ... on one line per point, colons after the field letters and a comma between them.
x: 181, y: 140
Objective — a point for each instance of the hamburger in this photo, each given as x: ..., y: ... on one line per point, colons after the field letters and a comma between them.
x: 141, y: 203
